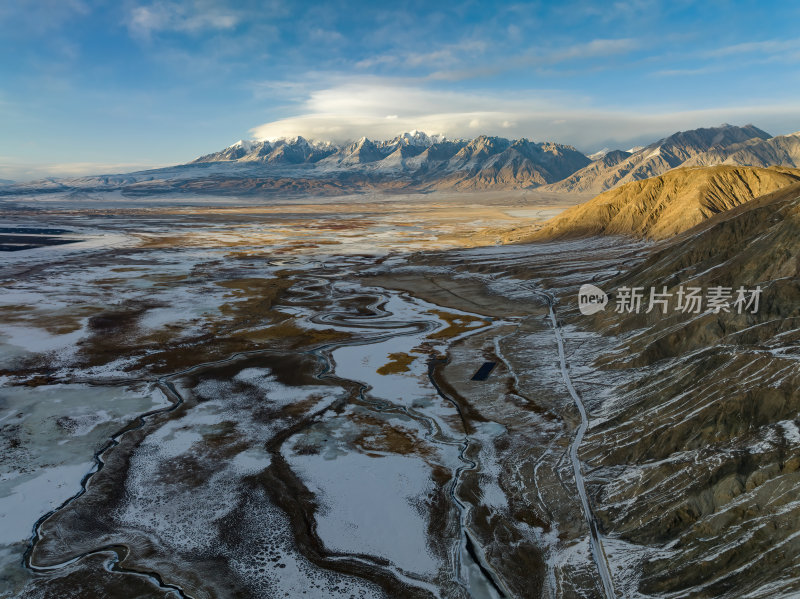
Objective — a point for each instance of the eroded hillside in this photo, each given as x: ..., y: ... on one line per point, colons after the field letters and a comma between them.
x: 666, y: 205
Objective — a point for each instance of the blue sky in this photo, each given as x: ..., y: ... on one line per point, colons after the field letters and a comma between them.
x: 112, y: 85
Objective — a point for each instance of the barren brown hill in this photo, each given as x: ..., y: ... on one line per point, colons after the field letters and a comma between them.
x: 666, y: 205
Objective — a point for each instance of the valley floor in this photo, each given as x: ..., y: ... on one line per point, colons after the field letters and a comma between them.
x: 268, y: 401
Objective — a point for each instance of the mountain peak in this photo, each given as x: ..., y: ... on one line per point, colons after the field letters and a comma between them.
x: 599, y: 154
x: 242, y: 143
x: 419, y: 138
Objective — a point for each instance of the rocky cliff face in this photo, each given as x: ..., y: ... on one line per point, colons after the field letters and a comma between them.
x: 666, y: 205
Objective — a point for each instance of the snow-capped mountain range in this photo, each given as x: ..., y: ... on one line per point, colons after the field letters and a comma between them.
x: 297, y: 150
x: 416, y: 161
x: 434, y: 159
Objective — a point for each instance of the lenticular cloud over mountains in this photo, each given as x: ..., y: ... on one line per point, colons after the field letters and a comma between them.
x: 379, y: 111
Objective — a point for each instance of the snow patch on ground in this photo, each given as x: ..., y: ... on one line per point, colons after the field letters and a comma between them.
x: 55, y: 430
x: 372, y: 505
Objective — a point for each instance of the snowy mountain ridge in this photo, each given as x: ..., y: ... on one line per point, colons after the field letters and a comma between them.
x: 418, y: 161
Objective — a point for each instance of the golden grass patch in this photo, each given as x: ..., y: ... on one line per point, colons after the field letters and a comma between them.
x: 11, y: 310
x: 456, y: 324
x: 379, y: 437
x: 398, y: 362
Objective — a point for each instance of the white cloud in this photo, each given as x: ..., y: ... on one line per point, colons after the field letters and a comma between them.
x: 771, y: 47
x: 446, y: 55
x: 692, y: 72
x: 735, y: 57
x: 379, y: 108
x: 325, y: 35
x: 472, y: 59
x: 591, y: 49
x: 144, y: 20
